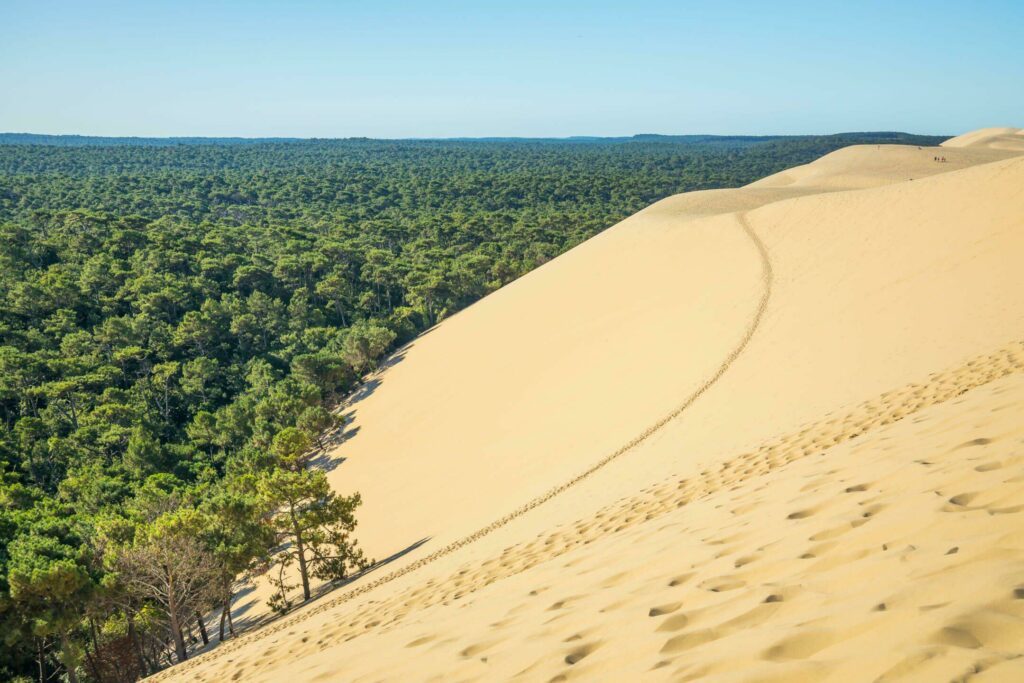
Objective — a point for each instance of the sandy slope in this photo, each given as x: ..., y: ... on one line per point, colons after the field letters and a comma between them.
x: 990, y: 138
x: 711, y: 325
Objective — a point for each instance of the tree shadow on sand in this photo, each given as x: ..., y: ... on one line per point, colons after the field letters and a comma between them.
x: 245, y: 599
x: 325, y: 458
x: 374, y: 379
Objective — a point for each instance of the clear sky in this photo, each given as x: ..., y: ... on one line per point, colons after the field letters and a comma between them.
x: 434, y: 68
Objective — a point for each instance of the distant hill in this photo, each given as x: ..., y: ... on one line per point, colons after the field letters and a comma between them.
x: 100, y: 141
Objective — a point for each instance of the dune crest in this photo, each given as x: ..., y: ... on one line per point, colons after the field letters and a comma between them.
x: 709, y: 441
x: 992, y: 138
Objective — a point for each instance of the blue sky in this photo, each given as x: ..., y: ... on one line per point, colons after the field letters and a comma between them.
x: 437, y: 69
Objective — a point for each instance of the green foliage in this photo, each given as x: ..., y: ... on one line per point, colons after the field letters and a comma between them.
x: 364, y: 343
x: 51, y: 576
x: 313, y: 526
x: 316, y: 421
x: 290, y: 445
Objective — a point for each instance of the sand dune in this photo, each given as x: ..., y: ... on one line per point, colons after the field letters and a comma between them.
x: 991, y: 138
x: 710, y: 441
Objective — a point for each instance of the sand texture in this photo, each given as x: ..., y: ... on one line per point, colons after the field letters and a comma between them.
x: 769, y: 433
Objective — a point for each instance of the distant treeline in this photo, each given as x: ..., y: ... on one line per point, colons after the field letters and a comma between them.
x: 178, y: 318
x: 102, y: 141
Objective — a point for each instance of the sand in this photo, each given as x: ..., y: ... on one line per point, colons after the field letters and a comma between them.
x: 734, y: 437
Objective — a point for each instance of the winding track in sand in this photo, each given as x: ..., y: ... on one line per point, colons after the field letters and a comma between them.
x: 767, y: 277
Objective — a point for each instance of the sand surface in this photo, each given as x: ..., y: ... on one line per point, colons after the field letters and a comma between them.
x: 736, y: 436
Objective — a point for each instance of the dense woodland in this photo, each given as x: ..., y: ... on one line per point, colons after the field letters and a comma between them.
x: 179, y: 318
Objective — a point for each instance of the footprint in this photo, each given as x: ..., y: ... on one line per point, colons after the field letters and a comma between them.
x: 872, y: 511
x: 687, y: 641
x: 958, y: 636
x: 1006, y: 511
x: 747, y: 559
x: 963, y: 499
x: 476, y: 649
x: 679, y: 580
x: 664, y: 609
x: 722, y: 584
x: 674, y: 623
x: 799, y: 645
x: 562, y: 603
x: 981, y: 441
x: 580, y: 652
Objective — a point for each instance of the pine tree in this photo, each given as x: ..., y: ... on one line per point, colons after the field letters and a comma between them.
x: 313, y: 526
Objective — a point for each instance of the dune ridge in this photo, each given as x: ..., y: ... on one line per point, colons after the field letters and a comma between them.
x: 993, y: 138
x: 855, y: 275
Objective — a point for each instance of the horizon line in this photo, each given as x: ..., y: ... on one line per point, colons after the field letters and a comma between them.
x: 417, y: 138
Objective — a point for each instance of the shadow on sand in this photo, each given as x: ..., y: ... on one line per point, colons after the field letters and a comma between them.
x: 325, y: 459
x: 244, y: 600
